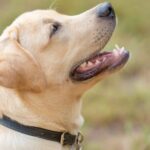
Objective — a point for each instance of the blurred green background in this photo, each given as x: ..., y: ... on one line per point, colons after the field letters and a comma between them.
x: 117, y: 110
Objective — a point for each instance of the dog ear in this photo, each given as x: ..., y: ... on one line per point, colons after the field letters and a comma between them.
x: 18, y: 68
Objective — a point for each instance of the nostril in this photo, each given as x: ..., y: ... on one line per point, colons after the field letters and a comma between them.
x: 106, y: 10
x: 105, y: 13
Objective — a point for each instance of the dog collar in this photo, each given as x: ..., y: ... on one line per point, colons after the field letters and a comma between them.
x: 64, y: 138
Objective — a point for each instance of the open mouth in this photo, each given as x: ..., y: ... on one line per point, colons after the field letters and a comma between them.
x: 100, y: 63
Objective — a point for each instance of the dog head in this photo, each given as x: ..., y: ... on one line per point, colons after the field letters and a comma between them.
x: 44, y: 48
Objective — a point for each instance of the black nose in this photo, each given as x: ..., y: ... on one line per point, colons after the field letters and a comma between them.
x: 106, y: 10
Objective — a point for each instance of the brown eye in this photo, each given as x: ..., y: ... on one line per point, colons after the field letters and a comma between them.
x: 55, y: 28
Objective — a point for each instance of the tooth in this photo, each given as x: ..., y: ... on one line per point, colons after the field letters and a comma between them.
x: 117, y: 47
x: 122, y: 50
x: 97, y: 62
x: 83, y: 65
x: 90, y: 64
x: 115, y: 52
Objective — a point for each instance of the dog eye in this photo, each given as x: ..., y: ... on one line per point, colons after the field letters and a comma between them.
x: 55, y: 28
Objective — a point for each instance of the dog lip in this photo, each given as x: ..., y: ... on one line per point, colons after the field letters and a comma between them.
x: 113, y: 61
x: 125, y: 57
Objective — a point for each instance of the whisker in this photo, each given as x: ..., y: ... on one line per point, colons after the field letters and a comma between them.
x: 53, y: 4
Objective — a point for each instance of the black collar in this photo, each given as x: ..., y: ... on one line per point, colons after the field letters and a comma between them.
x: 64, y: 138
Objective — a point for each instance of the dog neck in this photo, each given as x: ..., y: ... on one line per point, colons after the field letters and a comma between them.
x: 57, y: 110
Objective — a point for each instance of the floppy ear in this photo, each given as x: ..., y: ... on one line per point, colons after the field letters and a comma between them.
x: 18, y: 68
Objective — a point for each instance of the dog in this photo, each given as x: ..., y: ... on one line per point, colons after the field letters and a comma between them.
x: 47, y: 61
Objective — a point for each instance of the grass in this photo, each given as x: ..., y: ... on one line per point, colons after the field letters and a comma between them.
x: 116, y: 110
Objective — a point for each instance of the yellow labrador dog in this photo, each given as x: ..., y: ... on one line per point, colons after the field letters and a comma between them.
x: 47, y: 61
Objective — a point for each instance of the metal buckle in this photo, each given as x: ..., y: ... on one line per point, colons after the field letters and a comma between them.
x: 62, y: 139
x: 79, y: 138
x: 79, y: 141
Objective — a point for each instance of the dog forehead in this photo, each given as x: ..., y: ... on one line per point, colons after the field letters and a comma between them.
x: 43, y: 16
